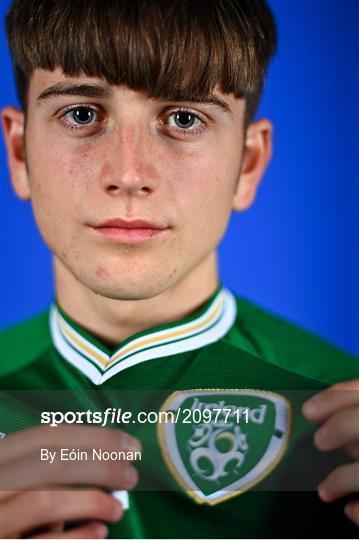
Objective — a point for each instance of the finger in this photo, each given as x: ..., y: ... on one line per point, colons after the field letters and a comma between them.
x: 342, y: 481
x: 352, y: 449
x: 56, y: 527
x: 33, y: 439
x: 5, y: 494
x: 340, y: 429
x: 338, y: 396
x: 90, y: 530
x: 32, y: 472
x: 30, y: 510
x: 352, y: 511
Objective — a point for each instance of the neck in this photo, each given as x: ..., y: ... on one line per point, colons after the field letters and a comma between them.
x: 113, y: 320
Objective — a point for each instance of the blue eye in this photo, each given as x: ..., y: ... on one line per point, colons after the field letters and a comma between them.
x: 184, y: 120
x: 83, y: 115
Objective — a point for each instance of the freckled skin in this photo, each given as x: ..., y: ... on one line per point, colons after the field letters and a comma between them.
x: 106, y: 170
x: 131, y: 171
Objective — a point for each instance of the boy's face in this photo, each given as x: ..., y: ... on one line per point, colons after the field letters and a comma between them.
x: 97, y: 153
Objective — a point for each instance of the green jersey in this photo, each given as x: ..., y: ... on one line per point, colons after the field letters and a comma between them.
x: 237, y: 458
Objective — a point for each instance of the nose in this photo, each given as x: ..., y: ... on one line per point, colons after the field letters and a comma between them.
x: 128, y: 168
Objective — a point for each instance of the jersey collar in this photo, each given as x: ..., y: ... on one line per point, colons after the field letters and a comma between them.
x: 99, y: 363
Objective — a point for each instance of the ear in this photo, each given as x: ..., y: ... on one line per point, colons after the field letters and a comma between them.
x: 13, y: 123
x: 257, y: 152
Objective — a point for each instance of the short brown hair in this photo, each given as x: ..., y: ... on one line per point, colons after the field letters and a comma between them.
x: 163, y: 47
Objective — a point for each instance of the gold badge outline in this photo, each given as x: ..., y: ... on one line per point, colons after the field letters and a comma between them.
x: 235, y: 493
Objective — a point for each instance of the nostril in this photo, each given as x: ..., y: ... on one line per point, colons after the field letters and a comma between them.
x: 115, y: 190
x: 112, y: 188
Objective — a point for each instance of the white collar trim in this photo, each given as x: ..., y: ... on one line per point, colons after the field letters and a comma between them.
x: 98, y: 366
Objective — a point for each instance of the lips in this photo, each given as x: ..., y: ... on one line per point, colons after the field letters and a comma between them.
x: 129, y: 231
x: 132, y: 224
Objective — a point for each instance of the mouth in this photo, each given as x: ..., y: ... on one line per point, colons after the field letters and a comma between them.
x: 136, y: 231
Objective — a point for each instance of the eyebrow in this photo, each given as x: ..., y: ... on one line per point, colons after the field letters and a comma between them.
x: 100, y: 91
x: 83, y: 89
x: 210, y: 99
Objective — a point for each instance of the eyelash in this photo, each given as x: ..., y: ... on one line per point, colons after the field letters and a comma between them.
x: 163, y: 122
x: 184, y: 131
x: 81, y: 127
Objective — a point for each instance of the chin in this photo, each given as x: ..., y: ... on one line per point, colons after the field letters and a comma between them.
x: 129, y: 289
x: 121, y: 280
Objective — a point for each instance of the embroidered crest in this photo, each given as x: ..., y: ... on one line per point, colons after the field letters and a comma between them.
x: 220, y: 443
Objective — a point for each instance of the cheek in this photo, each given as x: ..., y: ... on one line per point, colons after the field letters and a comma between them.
x: 58, y: 173
x: 204, y: 188
x: 57, y: 181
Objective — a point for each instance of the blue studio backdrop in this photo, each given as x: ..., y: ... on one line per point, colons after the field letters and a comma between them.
x: 295, y: 252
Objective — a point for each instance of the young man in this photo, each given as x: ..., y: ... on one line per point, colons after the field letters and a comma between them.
x: 134, y: 144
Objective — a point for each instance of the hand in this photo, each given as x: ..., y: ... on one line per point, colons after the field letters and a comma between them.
x: 39, y: 497
x: 338, y: 408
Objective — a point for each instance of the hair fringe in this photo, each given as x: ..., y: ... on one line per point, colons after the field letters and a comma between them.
x: 165, y: 48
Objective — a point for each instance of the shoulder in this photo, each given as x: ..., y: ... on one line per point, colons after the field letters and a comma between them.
x: 23, y: 343
x: 286, y: 345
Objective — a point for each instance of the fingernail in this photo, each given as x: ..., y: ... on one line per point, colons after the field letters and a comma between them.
x: 321, y: 438
x: 101, y: 531
x: 117, y: 511
x: 130, y: 444
x: 130, y: 476
x: 323, y: 492
x: 348, y: 509
x: 311, y: 407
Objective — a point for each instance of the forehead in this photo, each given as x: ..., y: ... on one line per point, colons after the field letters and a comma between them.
x: 44, y: 82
